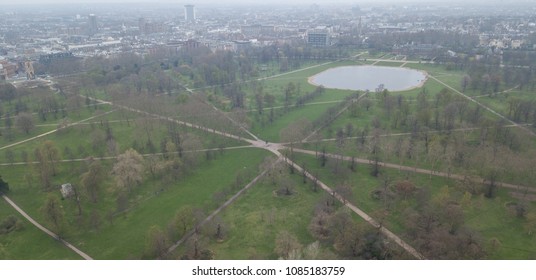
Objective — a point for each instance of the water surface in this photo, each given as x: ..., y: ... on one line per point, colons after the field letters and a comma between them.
x: 368, y: 77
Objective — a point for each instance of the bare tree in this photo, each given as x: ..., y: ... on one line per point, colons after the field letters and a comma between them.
x: 50, y: 155
x: 295, y: 132
x: 53, y: 213
x: 25, y: 122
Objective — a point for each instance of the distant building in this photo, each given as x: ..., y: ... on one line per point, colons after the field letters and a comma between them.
x: 191, y: 44
x: 389, y: 28
x: 93, y: 27
x: 47, y: 58
x: 67, y: 190
x: 516, y: 44
x: 239, y: 46
x: 147, y: 27
x: 7, y: 69
x: 141, y: 25
x: 256, y: 30
x: 3, y: 73
x: 189, y: 13
x: 319, y: 37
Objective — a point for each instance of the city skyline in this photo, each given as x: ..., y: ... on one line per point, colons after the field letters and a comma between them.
x: 252, y: 2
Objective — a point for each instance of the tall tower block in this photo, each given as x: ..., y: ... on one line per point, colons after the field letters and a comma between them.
x: 92, y: 24
x: 189, y: 13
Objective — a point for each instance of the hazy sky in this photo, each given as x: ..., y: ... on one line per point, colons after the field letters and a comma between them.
x: 219, y: 3
x: 251, y: 2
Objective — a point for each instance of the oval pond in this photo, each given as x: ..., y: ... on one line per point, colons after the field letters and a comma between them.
x: 368, y: 77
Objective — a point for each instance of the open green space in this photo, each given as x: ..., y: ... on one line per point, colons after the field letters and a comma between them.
x: 429, y: 127
x: 28, y: 242
x: 152, y: 203
x: 258, y: 216
x: 271, y: 132
x: 491, y: 218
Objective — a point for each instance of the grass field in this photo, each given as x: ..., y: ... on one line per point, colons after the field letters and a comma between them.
x: 126, y: 237
x: 489, y: 217
x: 29, y: 243
x: 257, y: 217
x: 254, y: 219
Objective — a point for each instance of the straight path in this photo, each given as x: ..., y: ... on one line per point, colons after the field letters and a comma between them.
x: 349, y: 103
x: 86, y: 123
x: 53, y: 131
x: 170, y: 119
x: 213, y: 214
x: 286, y: 73
x: 504, y: 91
x: 405, y: 134
x: 390, y: 235
x: 305, y: 104
x: 143, y: 155
x: 421, y: 171
x: 44, y: 229
x: 310, y: 67
x: 483, y: 106
x: 376, y: 60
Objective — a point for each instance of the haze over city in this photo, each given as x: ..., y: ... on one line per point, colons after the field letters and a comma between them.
x: 229, y: 130
x: 253, y: 2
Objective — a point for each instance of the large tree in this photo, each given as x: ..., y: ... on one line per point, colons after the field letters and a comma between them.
x: 296, y: 132
x: 128, y: 170
x: 24, y: 122
x: 92, y: 179
x: 157, y: 243
x: 50, y: 154
x: 47, y: 155
x: 53, y: 212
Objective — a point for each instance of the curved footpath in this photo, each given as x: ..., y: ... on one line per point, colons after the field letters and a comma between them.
x: 44, y: 229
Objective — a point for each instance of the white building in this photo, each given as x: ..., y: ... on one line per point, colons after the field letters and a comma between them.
x: 67, y: 190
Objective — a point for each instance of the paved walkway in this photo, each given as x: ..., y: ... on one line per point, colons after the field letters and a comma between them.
x: 53, y: 131
x: 405, y: 134
x: 349, y: 103
x: 221, y: 208
x: 484, y: 106
x: 44, y: 229
x: 390, y: 235
x: 421, y: 171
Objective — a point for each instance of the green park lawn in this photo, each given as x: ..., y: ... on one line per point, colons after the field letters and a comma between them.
x: 489, y: 217
x: 256, y: 218
x: 253, y: 220
x: 29, y: 243
x: 152, y: 203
